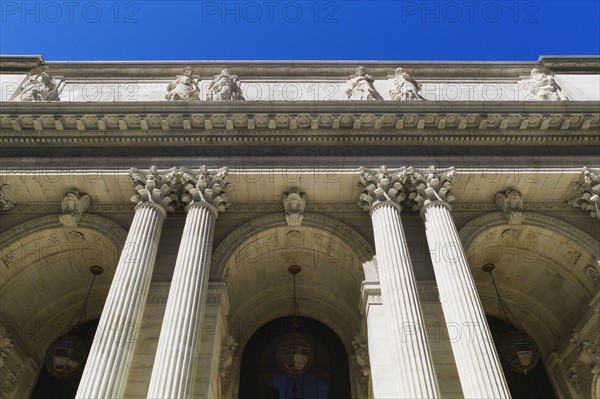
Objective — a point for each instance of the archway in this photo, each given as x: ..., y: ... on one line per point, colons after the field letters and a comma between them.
x: 328, y: 377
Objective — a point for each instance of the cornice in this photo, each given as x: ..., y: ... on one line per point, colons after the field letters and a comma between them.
x: 267, y: 69
x: 168, y: 124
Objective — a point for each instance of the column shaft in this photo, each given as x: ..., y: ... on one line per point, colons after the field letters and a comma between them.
x: 107, y: 366
x: 411, y: 356
x: 477, y: 361
x: 173, y: 372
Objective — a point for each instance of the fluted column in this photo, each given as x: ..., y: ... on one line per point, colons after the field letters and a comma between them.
x: 382, y: 192
x: 173, y: 371
x: 477, y: 361
x: 107, y: 366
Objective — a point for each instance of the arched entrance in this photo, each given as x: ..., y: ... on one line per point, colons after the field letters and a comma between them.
x: 261, y: 377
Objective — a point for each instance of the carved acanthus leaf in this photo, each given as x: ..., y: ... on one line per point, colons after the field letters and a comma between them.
x: 159, y: 187
x: 381, y: 185
x: 205, y: 186
x: 430, y: 186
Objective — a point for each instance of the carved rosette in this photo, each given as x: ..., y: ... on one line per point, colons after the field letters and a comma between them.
x: 157, y: 187
x: 6, y: 201
x: 430, y: 186
x: 73, y: 205
x: 511, y: 203
x: 205, y: 187
x: 587, y: 196
x: 380, y: 186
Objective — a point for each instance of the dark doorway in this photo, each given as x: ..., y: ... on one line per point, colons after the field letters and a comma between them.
x: 48, y: 386
x: 533, y: 385
x: 261, y: 377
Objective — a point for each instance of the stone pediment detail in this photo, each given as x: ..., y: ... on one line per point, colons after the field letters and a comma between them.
x: 300, y: 121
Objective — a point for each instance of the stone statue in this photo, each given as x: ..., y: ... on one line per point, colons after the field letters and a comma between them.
x: 40, y: 88
x: 544, y: 86
x: 405, y: 88
x: 360, y: 87
x: 183, y: 88
x: 224, y: 87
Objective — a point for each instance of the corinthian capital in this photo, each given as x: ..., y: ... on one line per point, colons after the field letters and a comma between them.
x: 154, y: 186
x: 587, y: 193
x: 205, y: 186
x: 382, y: 185
x: 430, y: 186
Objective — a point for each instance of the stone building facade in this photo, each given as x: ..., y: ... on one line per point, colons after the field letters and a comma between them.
x: 196, y: 185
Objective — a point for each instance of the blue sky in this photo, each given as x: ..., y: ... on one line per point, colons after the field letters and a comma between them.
x: 299, y: 30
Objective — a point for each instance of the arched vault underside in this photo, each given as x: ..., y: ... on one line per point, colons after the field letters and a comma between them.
x: 253, y: 262
x: 45, y: 276
x: 540, y: 272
